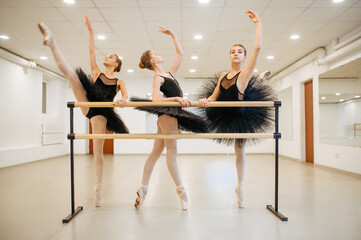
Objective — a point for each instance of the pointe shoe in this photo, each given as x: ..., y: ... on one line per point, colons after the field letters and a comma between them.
x: 241, y: 198
x: 48, y: 36
x: 182, y: 196
x: 141, y: 192
x: 264, y: 75
x: 97, y: 195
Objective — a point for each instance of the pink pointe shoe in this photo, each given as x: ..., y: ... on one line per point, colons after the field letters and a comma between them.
x: 264, y: 75
x: 241, y: 198
x: 48, y: 36
x: 182, y: 196
x: 141, y: 192
x: 97, y: 196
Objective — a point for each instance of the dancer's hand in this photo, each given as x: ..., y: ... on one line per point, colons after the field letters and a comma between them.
x: 122, y: 102
x: 184, y: 102
x: 204, y: 102
x: 166, y: 31
x: 88, y: 25
x: 253, y: 16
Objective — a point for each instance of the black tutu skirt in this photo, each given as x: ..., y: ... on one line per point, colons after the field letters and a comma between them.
x: 95, y: 93
x: 187, y: 121
x: 240, y: 119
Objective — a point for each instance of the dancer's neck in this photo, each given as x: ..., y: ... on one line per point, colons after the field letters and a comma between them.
x: 109, y: 72
x: 158, y: 70
x: 236, y: 67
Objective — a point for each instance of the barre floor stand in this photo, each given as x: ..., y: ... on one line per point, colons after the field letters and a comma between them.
x: 274, y: 210
x: 74, y: 211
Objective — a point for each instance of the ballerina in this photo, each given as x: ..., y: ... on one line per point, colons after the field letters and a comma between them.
x: 236, y: 85
x: 170, y: 119
x: 101, y: 86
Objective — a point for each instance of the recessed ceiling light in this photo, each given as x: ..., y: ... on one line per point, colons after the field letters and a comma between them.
x: 69, y: 1
x: 323, y: 98
x: 203, y: 1
x: 270, y: 57
x: 186, y: 94
x: 130, y: 70
x: 43, y: 58
x: 341, y: 100
x: 192, y: 70
x: 101, y: 37
x: 149, y: 94
x: 338, y: 94
x: 337, y: 1
x: 194, y: 57
x: 255, y: 70
x: 4, y: 37
x: 357, y: 96
x: 198, y: 36
x: 295, y: 36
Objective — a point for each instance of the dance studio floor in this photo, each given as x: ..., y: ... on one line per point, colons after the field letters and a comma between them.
x: 320, y: 203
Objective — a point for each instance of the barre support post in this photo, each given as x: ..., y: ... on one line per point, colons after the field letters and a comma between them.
x: 277, y: 135
x: 71, y: 138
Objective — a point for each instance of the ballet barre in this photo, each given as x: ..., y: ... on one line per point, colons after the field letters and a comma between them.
x: 177, y: 104
x: 276, y: 136
x: 173, y: 136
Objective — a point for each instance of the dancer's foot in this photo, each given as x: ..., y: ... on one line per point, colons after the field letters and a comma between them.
x: 141, y: 192
x: 241, y: 198
x: 264, y: 75
x: 48, y: 36
x: 97, y: 195
x: 182, y: 196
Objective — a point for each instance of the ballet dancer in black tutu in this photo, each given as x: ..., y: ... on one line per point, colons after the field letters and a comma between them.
x: 239, y: 85
x: 170, y: 119
x: 99, y: 87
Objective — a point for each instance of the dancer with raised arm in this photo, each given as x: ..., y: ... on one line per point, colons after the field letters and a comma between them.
x: 99, y: 87
x: 170, y: 119
x: 239, y: 84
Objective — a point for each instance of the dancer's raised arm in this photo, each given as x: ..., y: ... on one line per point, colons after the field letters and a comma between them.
x: 93, y: 62
x: 248, y: 71
x: 178, y: 48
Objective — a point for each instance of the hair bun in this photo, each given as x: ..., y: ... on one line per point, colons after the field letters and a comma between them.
x: 141, y: 65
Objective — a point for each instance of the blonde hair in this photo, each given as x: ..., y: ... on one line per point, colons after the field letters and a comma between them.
x: 145, y: 60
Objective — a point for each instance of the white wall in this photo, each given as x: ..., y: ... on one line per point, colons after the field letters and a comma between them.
x: 340, y: 157
x: 21, y: 115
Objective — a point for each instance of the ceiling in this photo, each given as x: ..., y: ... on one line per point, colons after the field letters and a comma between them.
x: 131, y: 27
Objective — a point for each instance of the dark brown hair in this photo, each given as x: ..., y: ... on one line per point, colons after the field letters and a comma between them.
x: 145, y: 60
x: 240, y: 45
x: 117, y: 58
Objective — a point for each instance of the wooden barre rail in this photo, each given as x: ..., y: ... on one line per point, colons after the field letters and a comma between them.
x: 173, y: 136
x: 177, y: 104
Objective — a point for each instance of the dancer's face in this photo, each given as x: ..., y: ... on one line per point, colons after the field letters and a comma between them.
x: 156, y: 58
x: 110, y: 61
x: 237, y: 54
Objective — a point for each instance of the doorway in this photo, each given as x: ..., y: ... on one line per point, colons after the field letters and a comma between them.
x: 309, y: 121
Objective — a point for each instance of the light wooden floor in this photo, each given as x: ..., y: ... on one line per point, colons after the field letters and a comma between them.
x: 320, y: 203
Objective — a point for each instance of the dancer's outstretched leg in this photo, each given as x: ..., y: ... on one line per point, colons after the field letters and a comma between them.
x: 239, y: 148
x: 69, y: 73
x: 170, y: 125
x: 157, y: 150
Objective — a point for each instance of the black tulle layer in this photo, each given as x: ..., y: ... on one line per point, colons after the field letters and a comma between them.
x: 96, y: 94
x: 187, y: 121
x: 240, y: 119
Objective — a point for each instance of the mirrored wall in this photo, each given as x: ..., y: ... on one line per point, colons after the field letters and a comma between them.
x: 340, y: 105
